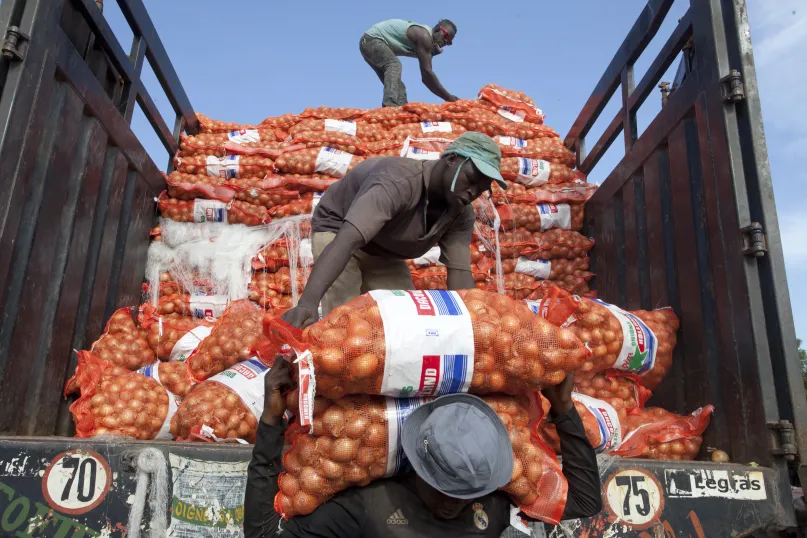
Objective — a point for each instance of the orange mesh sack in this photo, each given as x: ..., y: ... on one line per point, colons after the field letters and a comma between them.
x: 551, y: 245
x: 324, y: 112
x: 231, y: 341
x: 116, y: 402
x: 618, y: 389
x: 576, y: 191
x: 123, y: 343
x: 216, y: 143
x: 199, y: 210
x: 548, y: 149
x: 174, y: 337
x: 388, y: 117
x: 426, y: 129
x: 281, y: 123
x: 196, y: 306
x: 189, y: 186
x: 215, y: 126
x: 226, y: 407
x: 535, y: 172
x: 456, y: 341
x: 515, y: 101
x: 661, y: 435
x: 542, y: 217
x: 602, y: 423
x: 293, y: 182
x: 365, y: 132
x: 250, y: 190
x: 357, y: 439
x: 327, y: 161
x: 427, y: 148
x: 171, y: 375
x: 319, y: 139
x: 229, y: 167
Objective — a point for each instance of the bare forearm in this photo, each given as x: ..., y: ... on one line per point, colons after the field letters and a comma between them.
x: 331, y: 262
x: 460, y: 280
x: 431, y: 81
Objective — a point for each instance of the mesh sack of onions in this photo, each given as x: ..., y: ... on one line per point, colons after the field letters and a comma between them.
x: 172, y: 375
x: 199, y: 210
x: 279, y: 281
x: 231, y: 341
x: 434, y: 277
x: 304, y: 205
x: 618, y: 389
x: 294, y: 182
x: 275, y: 303
x: 657, y: 434
x: 425, y: 129
x: 189, y: 186
x: 456, y: 341
x: 118, y: 402
x: 318, y: 139
x: 601, y: 421
x: 363, y: 131
x: 275, y: 256
x: 388, y: 117
x: 527, y: 288
x: 542, y: 217
x: 548, y: 269
x: 479, y: 120
x: 228, y: 167
x: 356, y: 440
x: 385, y: 148
x: 547, y: 149
x: 250, y: 190
x: 324, y: 112
x: 208, y: 125
x: 226, y: 407
x: 535, y: 172
x: 216, y: 143
x: 196, y: 306
x: 551, y: 245
x: 513, y: 100
x: 576, y: 191
x: 637, y: 342
x: 123, y: 342
x: 427, y: 148
x: 173, y: 336
x: 326, y: 161
x: 280, y: 123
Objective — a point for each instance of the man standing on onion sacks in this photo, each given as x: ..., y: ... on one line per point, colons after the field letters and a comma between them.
x: 461, y: 454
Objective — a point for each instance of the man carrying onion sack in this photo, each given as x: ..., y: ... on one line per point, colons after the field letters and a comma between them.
x: 383, y: 43
x: 390, y: 209
x: 461, y: 454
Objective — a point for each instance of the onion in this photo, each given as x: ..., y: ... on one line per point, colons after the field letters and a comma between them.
x: 344, y: 450
x: 376, y: 436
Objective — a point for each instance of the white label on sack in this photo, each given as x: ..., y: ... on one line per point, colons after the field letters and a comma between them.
x: 607, y: 420
x: 435, y: 354
x: 165, y: 429
x: 518, y: 522
x: 398, y: 409
x: 225, y: 168
x: 152, y: 371
x: 209, y: 211
x: 511, y: 141
x: 332, y: 162
x: 306, y: 387
x: 339, y: 126
x: 436, y: 127
x: 208, y: 306
x: 306, y: 253
x: 315, y: 201
x: 533, y: 172
x: 244, y: 136
x: 246, y: 380
x: 512, y: 114
x: 639, y: 343
x: 555, y: 216
x: 432, y: 257
x: 540, y: 269
x: 419, y: 154
x: 189, y: 342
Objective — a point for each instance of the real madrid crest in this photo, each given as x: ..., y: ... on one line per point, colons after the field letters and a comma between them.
x: 480, y: 516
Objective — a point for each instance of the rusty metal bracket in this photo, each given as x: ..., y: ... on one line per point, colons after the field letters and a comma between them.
x: 754, y: 241
x: 783, y: 439
x: 13, y: 48
x: 732, y: 89
x: 665, y: 93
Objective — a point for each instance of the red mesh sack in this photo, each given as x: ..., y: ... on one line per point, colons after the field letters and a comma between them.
x: 388, y: 117
x: 514, y: 100
x: 479, y: 120
x: 426, y: 111
x: 123, y: 342
x: 319, y: 139
x: 548, y: 149
x: 535, y: 172
x: 272, y: 257
x: 226, y: 407
x: 575, y: 191
x: 385, y: 148
x: 426, y: 129
x: 601, y: 422
x: 324, y: 112
x: 215, y: 126
x: 618, y: 389
x: 356, y: 440
x: 172, y: 375
x: 199, y: 210
x: 250, y: 191
x: 117, y: 402
x: 292, y: 182
x: 274, y: 302
x: 664, y: 324
x: 546, y: 269
x: 231, y: 341
x: 364, y: 131
x: 279, y: 281
x: 661, y: 435
x: 229, y: 167
x: 164, y: 332
x: 282, y: 123
x: 216, y: 143
x: 302, y: 206
x: 189, y: 186
x: 434, y: 277
x: 480, y: 342
x: 327, y: 161
x: 208, y: 307
x: 542, y: 217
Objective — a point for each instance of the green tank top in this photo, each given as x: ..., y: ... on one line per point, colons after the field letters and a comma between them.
x: 393, y: 33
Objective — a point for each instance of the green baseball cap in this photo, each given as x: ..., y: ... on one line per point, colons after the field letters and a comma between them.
x: 484, y: 153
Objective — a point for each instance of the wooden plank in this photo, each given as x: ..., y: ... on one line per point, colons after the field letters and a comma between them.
x: 606, y: 245
x: 656, y: 256
x: 633, y: 294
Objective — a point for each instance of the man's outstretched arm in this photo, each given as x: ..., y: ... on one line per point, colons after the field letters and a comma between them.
x: 423, y: 49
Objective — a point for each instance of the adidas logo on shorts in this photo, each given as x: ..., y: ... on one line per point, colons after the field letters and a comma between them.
x: 397, y: 518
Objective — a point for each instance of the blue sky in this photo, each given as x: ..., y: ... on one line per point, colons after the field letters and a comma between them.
x: 244, y: 60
